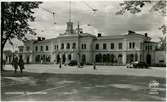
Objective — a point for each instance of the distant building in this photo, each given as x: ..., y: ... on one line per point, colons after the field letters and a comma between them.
x: 111, y: 50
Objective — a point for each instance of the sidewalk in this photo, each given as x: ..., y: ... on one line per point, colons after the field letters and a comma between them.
x: 101, y: 70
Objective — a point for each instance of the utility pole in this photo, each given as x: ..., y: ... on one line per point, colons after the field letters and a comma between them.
x: 78, y: 46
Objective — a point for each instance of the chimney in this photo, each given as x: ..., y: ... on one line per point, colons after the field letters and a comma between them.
x: 130, y: 32
x: 43, y: 38
x: 145, y: 34
x: 99, y: 35
x: 39, y: 38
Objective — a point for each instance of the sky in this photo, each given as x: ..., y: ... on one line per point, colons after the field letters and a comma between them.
x: 104, y: 21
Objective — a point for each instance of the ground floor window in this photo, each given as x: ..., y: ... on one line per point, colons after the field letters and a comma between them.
x: 84, y: 58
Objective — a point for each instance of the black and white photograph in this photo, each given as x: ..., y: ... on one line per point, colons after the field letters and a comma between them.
x: 83, y: 50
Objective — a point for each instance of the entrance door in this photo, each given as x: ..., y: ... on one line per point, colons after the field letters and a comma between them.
x: 149, y: 59
x: 84, y: 59
x: 58, y: 58
x: 64, y: 58
x: 28, y: 59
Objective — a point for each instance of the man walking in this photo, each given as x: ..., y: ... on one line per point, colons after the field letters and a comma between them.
x: 21, y: 64
x: 15, y: 63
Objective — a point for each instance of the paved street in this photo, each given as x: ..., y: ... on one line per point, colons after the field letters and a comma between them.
x: 107, y: 83
x: 101, y: 70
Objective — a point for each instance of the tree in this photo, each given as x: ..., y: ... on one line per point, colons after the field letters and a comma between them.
x: 135, y: 7
x: 15, y: 17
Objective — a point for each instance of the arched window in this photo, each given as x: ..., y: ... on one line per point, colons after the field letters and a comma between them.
x: 104, y: 58
x: 74, y: 46
x: 119, y: 59
x: 62, y: 46
x: 97, y: 58
x: 68, y: 46
x: 112, y: 58
x: 108, y: 58
x: 136, y: 57
x: 69, y: 57
x: 100, y: 58
x: 84, y: 58
x: 131, y: 58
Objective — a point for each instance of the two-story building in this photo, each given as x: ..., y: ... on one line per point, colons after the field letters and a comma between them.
x: 87, y: 48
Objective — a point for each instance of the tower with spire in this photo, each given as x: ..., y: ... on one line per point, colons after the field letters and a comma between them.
x: 69, y: 28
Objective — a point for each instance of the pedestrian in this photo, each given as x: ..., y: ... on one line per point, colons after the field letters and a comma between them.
x: 15, y: 63
x: 21, y: 64
x: 60, y: 63
x: 4, y: 63
x: 94, y: 66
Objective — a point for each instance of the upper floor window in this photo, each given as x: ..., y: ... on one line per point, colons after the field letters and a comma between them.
x: 41, y: 48
x: 21, y: 49
x: 55, y: 46
x: 27, y: 48
x: 36, y: 48
x: 112, y: 45
x: 104, y: 46
x: 130, y: 45
x: 133, y: 45
x: 47, y: 48
x: 68, y: 46
x: 62, y: 46
x: 83, y: 46
x: 73, y: 45
x: 97, y: 46
x: 120, y: 45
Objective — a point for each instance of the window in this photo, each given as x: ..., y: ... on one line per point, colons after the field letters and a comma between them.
x: 36, y: 48
x: 141, y: 45
x: 97, y: 46
x: 74, y: 46
x: 47, y: 48
x: 150, y: 47
x: 62, y: 46
x: 41, y: 48
x: 112, y: 45
x: 130, y: 45
x: 21, y: 49
x: 83, y: 46
x: 120, y: 45
x: 133, y: 45
x: 104, y: 46
x: 27, y: 48
x: 68, y: 46
x: 55, y: 46
x: 69, y: 57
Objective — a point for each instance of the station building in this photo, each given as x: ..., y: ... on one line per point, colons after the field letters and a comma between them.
x: 88, y: 48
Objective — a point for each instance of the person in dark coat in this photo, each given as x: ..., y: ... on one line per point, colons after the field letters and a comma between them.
x: 15, y: 63
x: 21, y: 64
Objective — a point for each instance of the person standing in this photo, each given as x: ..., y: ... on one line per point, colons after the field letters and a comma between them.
x: 60, y: 63
x: 21, y: 64
x: 15, y: 63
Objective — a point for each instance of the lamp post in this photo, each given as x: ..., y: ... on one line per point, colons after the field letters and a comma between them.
x: 78, y: 53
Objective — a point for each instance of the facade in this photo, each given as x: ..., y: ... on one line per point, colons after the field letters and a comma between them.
x: 88, y: 48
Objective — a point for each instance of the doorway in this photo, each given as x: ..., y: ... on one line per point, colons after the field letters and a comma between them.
x: 148, y: 59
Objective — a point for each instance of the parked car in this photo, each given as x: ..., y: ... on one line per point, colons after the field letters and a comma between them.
x: 140, y: 65
x: 74, y: 63
x: 137, y: 65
